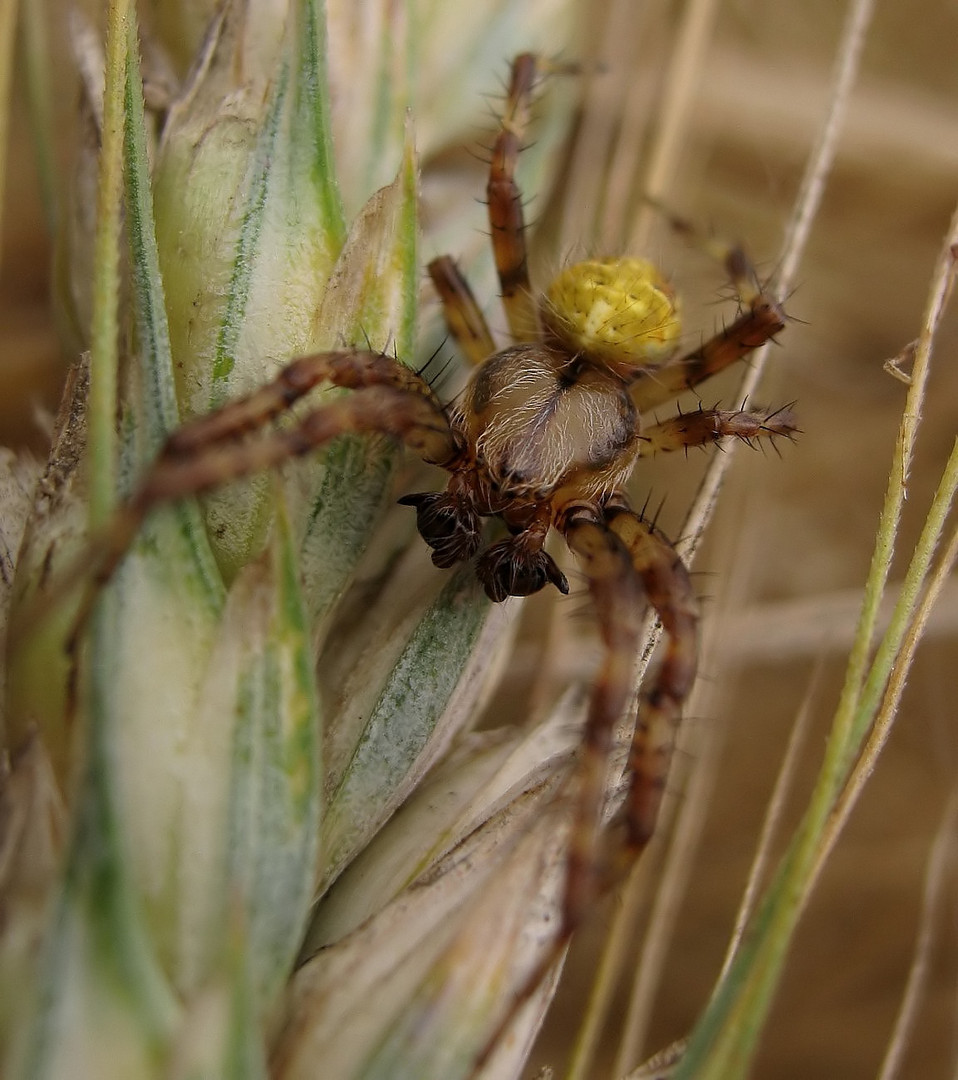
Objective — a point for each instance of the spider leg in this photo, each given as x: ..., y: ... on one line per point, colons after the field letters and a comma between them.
x: 616, y: 591
x: 731, y: 256
x: 462, y: 313
x: 705, y: 426
x: 626, y: 562
x: 210, y: 450
x: 617, y: 596
x: 668, y: 588
x: 385, y: 410
x: 761, y: 321
x: 506, y: 218
x: 348, y: 368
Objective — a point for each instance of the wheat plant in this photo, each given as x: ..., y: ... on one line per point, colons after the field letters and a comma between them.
x: 251, y: 823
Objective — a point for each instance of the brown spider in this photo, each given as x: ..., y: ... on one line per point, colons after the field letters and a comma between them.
x: 544, y: 437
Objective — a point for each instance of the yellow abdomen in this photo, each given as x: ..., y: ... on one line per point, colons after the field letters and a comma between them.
x: 620, y: 313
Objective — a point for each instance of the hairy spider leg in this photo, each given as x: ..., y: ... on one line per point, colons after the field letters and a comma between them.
x: 761, y: 319
x: 626, y: 562
x: 384, y: 410
x: 210, y: 450
x: 669, y: 591
x: 462, y: 313
x: 758, y: 323
x: 618, y: 602
x: 704, y: 426
x: 732, y: 257
x: 506, y: 217
x: 347, y: 368
x: 464, y: 317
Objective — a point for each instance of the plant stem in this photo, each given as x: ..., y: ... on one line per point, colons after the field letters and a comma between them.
x: 104, y: 331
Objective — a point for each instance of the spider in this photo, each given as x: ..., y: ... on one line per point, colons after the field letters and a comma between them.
x: 544, y: 437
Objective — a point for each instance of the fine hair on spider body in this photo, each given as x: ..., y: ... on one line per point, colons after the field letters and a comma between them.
x: 544, y: 437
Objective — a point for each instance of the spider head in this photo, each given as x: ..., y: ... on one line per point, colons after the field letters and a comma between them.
x: 615, y: 313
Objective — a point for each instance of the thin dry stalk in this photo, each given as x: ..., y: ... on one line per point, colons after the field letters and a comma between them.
x: 672, y: 886
x: 881, y: 729
x: 793, y: 628
x: 681, y: 85
x: 588, y: 181
x: 617, y: 945
x: 784, y: 782
x: 637, y: 97
x: 933, y: 896
x: 807, y: 203
x: 687, y: 61
x: 8, y: 28
x: 681, y: 90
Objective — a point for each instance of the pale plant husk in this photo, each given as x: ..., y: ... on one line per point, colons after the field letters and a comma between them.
x: 189, y: 744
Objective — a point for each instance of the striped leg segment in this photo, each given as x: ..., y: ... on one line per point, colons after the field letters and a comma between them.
x: 668, y: 589
x: 506, y: 217
x: 706, y: 426
x: 212, y: 450
x: 762, y: 317
x: 617, y: 595
x: 626, y: 563
x: 411, y: 418
x: 616, y: 591
x: 760, y: 322
x: 349, y: 368
x: 464, y: 317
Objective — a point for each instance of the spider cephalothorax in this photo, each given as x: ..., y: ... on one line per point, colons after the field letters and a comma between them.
x: 549, y: 422
x: 543, y: 438
x: 554, y: 423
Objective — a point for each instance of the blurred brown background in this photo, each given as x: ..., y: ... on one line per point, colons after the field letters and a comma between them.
x: 793, y: 535
x: 791, y: 543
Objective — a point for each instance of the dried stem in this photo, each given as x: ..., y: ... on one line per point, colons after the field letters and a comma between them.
x: 770, y: 823
x: 901, y: 642
x: 104, y: 332
x: 8, y: 33
x: 807, y: 203
x: 942, y: 854
x: 682, y: 83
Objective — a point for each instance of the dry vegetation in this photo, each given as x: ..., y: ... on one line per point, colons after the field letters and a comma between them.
x: 792, y: 539
x: 790, y: 545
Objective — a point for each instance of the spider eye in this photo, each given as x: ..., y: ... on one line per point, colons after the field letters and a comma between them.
x: 617, y: 312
